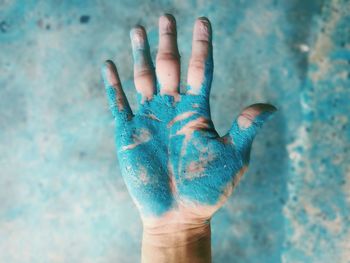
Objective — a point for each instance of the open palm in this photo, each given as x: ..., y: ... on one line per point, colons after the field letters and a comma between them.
x: 172, y: 159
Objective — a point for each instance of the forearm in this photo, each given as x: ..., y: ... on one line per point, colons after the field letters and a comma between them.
x: 177, y: 243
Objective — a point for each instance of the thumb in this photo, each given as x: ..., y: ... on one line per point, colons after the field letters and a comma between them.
x: 247, y: 124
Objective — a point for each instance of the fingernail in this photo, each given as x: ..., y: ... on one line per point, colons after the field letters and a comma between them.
x: 107, y: 73
x: 202, y: 30
x: 104, y: 69
x: 167, y: 23
x: 137, y: 35
x: 257, y: 113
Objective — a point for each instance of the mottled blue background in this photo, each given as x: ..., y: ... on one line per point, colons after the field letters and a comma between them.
x: 62, y: 198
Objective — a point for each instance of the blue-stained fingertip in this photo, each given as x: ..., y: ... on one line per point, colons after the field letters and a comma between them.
x: 136, y: 27
x: 137, y: 35
x: 246, y: 126
x: 253, y: 117
x: 106, y: 69
x: 110, y: 74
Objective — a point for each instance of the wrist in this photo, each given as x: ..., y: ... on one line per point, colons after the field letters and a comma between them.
x: 177, y: 242
x: 175, y: 234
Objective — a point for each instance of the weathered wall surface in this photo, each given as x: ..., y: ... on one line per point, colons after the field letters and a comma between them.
x: 62, y: 197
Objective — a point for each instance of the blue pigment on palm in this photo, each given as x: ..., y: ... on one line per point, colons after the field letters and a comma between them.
x: 203, y: 166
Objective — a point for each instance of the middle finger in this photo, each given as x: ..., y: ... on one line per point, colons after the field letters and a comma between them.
x: 168, y: 57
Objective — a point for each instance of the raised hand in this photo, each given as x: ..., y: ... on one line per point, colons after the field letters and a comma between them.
x: 174, y: 163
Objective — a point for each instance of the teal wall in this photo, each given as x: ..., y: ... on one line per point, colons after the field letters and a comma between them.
x: 62, y: 195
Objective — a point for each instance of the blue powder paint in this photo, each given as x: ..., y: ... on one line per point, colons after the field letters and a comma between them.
x: 149, y: 163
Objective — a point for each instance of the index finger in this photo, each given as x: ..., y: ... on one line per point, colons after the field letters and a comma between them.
x: 117, y: 100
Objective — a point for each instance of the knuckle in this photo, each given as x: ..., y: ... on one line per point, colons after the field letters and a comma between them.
x: 145, y: 72
x: 197, y: 63
x: 168, y: 56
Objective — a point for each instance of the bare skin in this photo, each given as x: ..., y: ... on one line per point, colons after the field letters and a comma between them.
x: 177, y: 168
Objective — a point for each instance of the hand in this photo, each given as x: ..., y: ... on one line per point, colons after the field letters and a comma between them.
x: 176, y: 166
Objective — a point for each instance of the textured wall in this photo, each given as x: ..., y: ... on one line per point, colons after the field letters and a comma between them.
x: 62, y: 196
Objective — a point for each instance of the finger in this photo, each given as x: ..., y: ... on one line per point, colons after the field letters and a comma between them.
x: 117, y: 100
x: 247, y: 124
x: 200, y: 71
x: 168, y: 58
x: 144, y: 76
